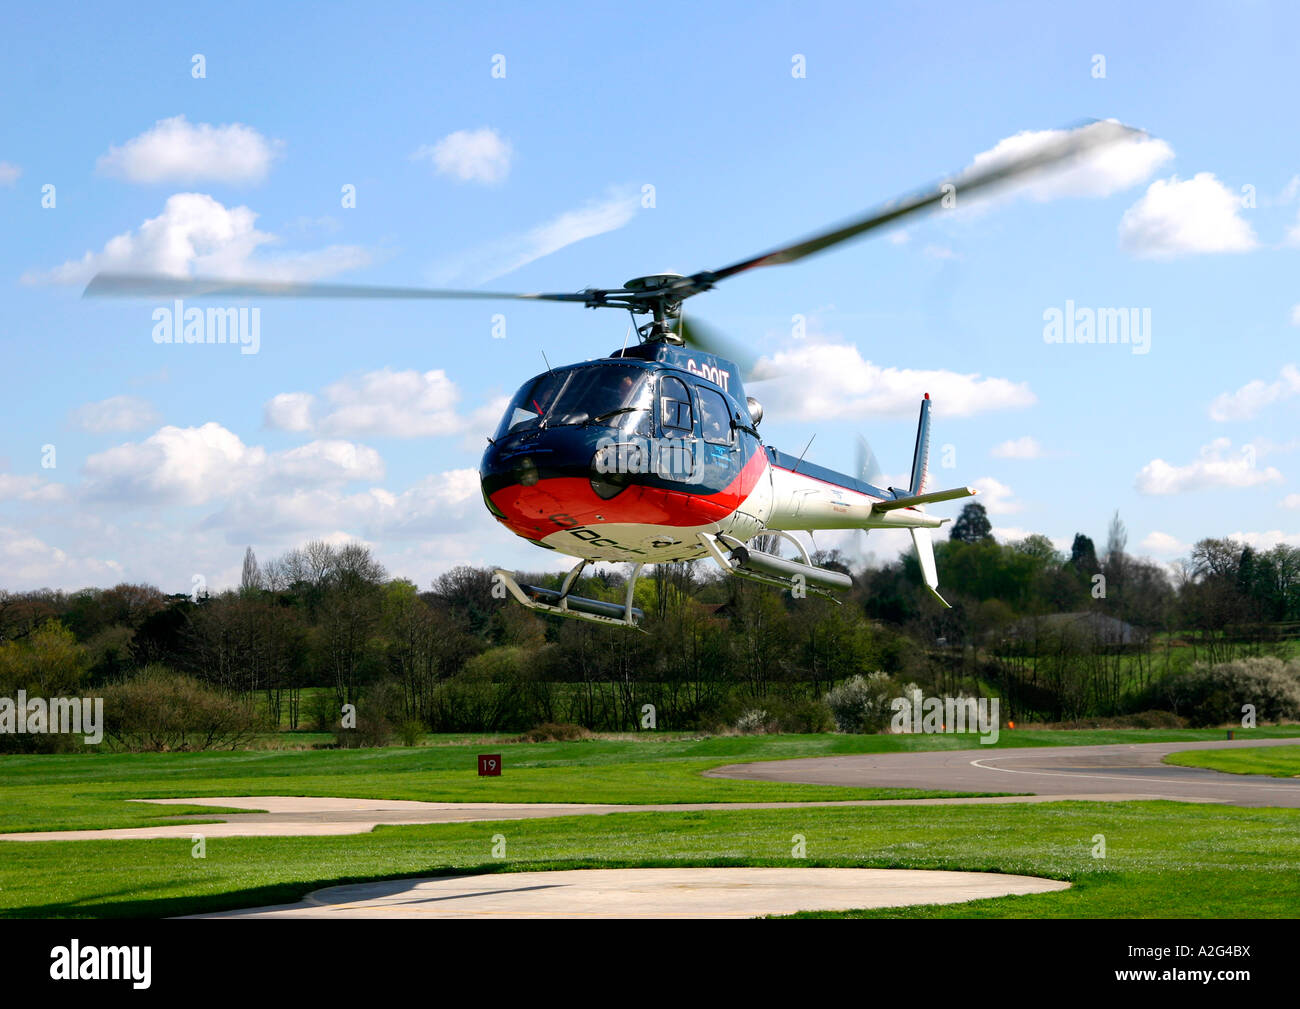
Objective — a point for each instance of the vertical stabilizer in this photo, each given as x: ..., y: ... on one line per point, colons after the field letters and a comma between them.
x: 925, y: 554
x: 921, y: 455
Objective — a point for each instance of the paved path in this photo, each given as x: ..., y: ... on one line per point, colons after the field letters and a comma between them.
x: 291, y: 815
x: 1114, y: 773
x: 1125, y: 770
x: 648, y: 893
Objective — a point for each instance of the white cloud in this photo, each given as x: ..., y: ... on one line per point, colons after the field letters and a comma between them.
x: 1267, y: 446
x: 9, y: 173
x: 417, y: 533
x: 326, y: 462
x: 1254, y: 396
x: 503, y: 256
x: 1295, y: 315
x: 393, y: 403
x: 386, y: 403
x: 197, y: 235
x: 1214, y: 468
x: 175, y: 465
x: 940, y: 252
x: 996, y: 497
x: 289, y: 411
x: 1018, y: 448
x: 196, y: 465
x: 1291, y: 501
x: 443, y: 503
x: 29, y: 488
x: 1266, y: 540
x: 833, y: 381
x: 1106, y: 170
x: 30, y: 562
x: 470, y: 155
x: 175, y: 150
x: 117, y: 413
x: 1164, y: 544
x: 1177, y: 218
x: 1014, y: 534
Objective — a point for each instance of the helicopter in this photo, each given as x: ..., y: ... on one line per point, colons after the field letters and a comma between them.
x: 652, y: 454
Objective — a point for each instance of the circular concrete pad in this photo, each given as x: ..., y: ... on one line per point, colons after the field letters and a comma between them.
x: 649, y: 893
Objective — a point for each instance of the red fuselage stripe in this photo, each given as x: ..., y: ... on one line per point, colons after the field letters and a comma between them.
x: 551, y: 505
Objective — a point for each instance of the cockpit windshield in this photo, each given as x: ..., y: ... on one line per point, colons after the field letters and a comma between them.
x: 531, y: 403
x: 609, y: 395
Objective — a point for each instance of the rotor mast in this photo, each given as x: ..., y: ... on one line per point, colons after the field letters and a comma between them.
x: 656, y: 294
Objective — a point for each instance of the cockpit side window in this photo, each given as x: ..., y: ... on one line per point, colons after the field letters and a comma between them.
x: 675, y: 415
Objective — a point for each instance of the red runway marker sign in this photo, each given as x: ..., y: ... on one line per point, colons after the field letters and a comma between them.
x: 489, y: 765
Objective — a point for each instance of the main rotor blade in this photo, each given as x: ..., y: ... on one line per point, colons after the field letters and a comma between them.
x: 163, y: 286
x: 866, y: 465
x: 1075, y: 142
x: 707, y: 338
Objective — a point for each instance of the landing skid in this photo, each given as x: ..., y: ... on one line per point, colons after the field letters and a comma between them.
x: 563, y: 603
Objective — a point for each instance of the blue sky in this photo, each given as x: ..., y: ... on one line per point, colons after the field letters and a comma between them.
x: 366, y: 419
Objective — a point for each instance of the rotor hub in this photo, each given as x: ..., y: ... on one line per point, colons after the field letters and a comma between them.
x: 652, y: 281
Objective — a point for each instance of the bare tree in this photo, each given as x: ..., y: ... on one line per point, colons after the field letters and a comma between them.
x: 350, y: 611
x: 251, y: 580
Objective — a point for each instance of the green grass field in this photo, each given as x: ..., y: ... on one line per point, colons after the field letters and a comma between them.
x: 1163, y: 858
x: 1276, y: 761
x: 80, y: 791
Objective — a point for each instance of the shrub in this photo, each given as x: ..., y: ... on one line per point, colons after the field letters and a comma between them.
x: 1154, y: 719
x: 808, y: 716
x: 797, y: 714
x: 371, y: 731
x: 411, y: 732
x: 554, y: 732
x: 324, y: 710
x: 1215, y: 694
x: 861, y: 703
x: 159, y: 709
x: 753, y: 720
x: 470, y: 702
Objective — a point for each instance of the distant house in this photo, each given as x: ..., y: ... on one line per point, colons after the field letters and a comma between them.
x: 1096, y: 629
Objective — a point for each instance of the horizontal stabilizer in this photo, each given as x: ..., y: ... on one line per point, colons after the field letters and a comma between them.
x: 911, y: 501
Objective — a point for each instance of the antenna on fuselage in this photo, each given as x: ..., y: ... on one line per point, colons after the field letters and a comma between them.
x: 631, y: 321
x: 548, y: 364
x: 795, y: 468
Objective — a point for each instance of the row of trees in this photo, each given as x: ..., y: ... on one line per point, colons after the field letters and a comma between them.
x: 1055, y: 636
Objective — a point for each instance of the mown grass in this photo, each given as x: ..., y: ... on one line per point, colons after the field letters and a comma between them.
x: 1275, y: 761
x: 1162, y: 859
x: 80, y: 791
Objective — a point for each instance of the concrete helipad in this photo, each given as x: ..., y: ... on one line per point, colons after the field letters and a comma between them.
x: 1122, y: 770
x: 319, y: 816
x: 649, y: 893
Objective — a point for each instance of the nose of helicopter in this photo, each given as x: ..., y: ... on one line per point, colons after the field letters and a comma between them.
x: 534, y: 481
